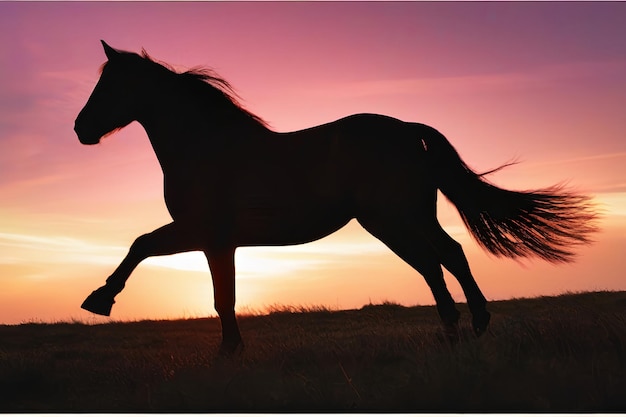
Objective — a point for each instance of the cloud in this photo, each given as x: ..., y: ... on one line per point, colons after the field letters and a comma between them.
x: 268, y: 261
x: 613, y: 203
x: 597, y: 157
x: 601, y: 173
x: 474, y: 83
x: 33, y: 249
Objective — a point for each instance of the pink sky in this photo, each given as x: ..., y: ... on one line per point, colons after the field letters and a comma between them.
x: 544, y: 83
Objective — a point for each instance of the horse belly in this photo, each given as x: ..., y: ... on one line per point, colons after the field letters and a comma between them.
x: 290, y: 198
x: 273, y: 226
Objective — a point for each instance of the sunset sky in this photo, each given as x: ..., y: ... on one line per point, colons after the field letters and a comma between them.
x: 544, y: 83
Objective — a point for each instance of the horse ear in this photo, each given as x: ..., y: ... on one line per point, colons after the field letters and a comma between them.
x: 109, y: 52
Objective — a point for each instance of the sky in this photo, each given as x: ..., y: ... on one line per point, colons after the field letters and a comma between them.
x: 543, y: 83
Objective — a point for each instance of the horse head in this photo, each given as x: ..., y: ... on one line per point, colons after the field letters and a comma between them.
x: 116, y: 98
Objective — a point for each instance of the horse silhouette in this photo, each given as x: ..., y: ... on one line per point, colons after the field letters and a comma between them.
x: 230, y: 181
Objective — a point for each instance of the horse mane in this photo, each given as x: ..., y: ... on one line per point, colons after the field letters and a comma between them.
x: 207, y: 77
x: 210, y: 77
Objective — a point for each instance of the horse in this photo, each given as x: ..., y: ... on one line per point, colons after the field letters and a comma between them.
x: 231, y: 181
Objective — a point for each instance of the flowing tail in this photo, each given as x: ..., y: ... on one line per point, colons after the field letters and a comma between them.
x: 547, y: 223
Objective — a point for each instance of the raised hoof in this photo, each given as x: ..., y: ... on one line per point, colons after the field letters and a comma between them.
x: 99, y: 302
x: 480, y: 322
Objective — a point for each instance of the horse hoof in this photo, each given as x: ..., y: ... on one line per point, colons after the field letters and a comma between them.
x: 99, y: 302
x: 480, y: 322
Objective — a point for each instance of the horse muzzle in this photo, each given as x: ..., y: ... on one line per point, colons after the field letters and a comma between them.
x: 84, y: 135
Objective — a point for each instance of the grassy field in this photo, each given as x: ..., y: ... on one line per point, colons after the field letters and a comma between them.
x: 548, y: 354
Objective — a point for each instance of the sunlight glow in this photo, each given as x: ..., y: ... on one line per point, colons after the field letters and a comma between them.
x: 614, y: 204
x: 69, y: 213
x: 264, y: 262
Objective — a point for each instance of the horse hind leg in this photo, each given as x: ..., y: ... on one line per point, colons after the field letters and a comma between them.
x: 411, y: 247
x: 453, y: 259
x: 424, y: 260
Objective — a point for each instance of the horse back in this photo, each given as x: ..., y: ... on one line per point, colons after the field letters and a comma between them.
x: 287, y: 188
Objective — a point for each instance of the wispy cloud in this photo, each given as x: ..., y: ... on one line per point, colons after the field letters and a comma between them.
x: 268, y: 261
x: 613, y: 204
x: 474, y: 83
x: 597, y: 157
x: 27, y: 248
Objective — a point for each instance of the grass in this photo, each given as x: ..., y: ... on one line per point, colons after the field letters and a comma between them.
x: 548, y: 354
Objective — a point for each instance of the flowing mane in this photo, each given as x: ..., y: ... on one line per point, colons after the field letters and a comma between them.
x: 212, y: 79
x: 203, y: 77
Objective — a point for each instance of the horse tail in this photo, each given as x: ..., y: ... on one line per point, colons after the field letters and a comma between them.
x: 546, y: 223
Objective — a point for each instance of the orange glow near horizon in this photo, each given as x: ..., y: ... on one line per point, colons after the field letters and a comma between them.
x: 550, y: 96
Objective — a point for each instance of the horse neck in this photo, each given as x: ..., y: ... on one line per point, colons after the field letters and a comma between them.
x: 183, y: 130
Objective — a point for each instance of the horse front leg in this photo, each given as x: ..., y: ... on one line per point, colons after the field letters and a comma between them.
x: 167, y: 240
x: 222, y: 265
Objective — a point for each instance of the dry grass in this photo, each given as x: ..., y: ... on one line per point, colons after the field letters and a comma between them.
x: 564, y: 353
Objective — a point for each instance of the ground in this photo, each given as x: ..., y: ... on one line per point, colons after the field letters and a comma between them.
x: 549, y: 354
